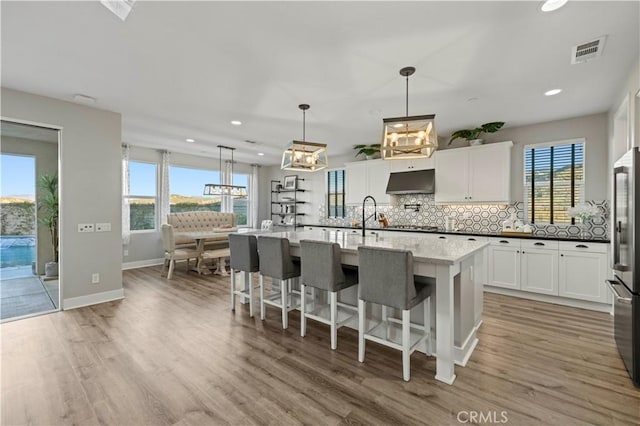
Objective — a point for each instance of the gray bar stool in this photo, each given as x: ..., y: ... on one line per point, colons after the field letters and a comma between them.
x: 244, y: 258
x: 322, y: 269
x: 276, y: 263
x: 386, y: 278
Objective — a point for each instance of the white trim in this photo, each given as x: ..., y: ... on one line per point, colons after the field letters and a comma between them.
x: 574, y: 303
x: 623, y: 113
x: 142, y: 264
x: 463, y: 353
x: 554, y: 143
x: 92, y: 299
x: 31, y: 123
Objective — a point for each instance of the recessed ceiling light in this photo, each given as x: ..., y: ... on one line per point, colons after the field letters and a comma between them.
x: 551, y: 5
x: 261, y: 153
x: 236, y: 122
x: 552, y: 92
x: 190, y: 140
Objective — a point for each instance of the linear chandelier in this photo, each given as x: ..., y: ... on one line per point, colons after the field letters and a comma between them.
x: 221, y: 189
x: 409, y: 137
x: 304, y: 156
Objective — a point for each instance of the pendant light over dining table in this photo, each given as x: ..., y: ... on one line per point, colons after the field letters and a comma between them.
x: 304, y: 156
x: 409, y: 137
x: 221, y: 188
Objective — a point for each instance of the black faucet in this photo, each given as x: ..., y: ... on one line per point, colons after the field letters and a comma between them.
x: 374, y: 215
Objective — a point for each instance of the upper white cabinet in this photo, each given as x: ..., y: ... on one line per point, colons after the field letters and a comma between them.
x: 478, y: 174
x: 413, y: 165
x: 367, y: 178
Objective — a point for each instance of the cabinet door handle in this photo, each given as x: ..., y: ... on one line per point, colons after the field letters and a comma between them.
x: 471, y: 239
x: 538, y: 244
x: 443, y: 238
x: 581, y: 246
x: 504, y: 241
x: 522, y: 251
x: 518, y: 251
x: 561, y: 255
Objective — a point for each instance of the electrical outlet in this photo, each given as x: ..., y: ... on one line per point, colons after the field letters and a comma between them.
x: 95, y: 278
x: 103, y: 227
x: 86, y: 227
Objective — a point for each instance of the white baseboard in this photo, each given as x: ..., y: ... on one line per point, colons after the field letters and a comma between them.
x: 92, y: 299
x: 463, y: 353
x: 574, y: 303
x: 142, y: 263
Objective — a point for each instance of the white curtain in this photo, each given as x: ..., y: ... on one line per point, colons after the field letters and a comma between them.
x: 165, y: 193
x: 253, y: 197
x: 126, y: 232
x: 227, y: 202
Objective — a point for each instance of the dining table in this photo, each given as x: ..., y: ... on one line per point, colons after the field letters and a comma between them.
x: 200, y: 238
x: 456, y: 265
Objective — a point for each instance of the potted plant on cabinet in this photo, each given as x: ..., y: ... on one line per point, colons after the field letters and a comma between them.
x: 473, y: 135
x: 49, y: 207
x: 369, y: 151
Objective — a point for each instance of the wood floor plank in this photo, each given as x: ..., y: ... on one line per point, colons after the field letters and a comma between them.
x: 173, y: 353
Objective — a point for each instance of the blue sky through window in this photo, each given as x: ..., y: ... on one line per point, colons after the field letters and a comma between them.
x: 18, y: 175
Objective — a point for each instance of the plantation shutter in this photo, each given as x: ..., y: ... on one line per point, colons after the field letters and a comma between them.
x: 335, y: 193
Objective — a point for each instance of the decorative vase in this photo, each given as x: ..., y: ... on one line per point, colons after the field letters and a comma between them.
x: 51, y: 269
x: 584, y: 232
x: 476, y: 142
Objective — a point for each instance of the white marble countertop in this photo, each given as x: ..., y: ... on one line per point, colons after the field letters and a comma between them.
x: 423, y: 248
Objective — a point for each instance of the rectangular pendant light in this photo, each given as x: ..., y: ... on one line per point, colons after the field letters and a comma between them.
x: 305, y: 157
x: 222, y: 190
x: 409, y: 137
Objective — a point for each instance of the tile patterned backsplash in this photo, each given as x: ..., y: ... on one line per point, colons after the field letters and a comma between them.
x: 480, y: 218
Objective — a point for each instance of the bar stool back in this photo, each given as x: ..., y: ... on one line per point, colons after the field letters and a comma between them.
x: 243, y: 257
x: 322, y: 269
x: 276, y: 263
x: 386, y: 278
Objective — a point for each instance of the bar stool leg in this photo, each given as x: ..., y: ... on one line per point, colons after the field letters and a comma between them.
x: 284, y: 286
x: 233, y: 290
x: 334, y: 319
x: 303, y: 318
x: 261, y: 297
x: 361, y: 329
x: 385, y: 315
x: 251, y: 294
x: 427, y: 323
x: 406, y: 344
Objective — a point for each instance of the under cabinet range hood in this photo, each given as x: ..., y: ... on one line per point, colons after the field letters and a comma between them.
x: 415, y: 182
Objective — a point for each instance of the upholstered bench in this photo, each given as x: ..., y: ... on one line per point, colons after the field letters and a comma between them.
x: 219, y: 256
x: 202, y: 221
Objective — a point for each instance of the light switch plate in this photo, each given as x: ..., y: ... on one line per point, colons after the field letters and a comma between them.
x: 86, y: 227
x: 103, y: 227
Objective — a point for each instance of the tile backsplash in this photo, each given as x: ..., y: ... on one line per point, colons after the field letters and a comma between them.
x: 480, y: 218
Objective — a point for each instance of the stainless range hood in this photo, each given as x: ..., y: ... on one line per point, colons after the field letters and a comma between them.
x: 415, y: 182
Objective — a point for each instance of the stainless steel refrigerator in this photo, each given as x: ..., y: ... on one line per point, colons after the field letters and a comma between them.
x: 625, y: 261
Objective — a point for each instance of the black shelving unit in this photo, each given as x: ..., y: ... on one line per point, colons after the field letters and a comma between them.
x: 285, y: 212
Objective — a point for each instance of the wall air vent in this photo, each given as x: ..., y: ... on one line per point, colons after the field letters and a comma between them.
x: 586, y: 51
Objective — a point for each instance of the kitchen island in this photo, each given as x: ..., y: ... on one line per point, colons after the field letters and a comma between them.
x: 456, y: 267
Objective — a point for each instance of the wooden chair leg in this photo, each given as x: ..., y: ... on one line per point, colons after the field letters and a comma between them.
x: 361, y: 329
x: 406, y: 344
x: 172, y: 265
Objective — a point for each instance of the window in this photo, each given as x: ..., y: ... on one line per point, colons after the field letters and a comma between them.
x: 553, y: 180
x: 240, y: 205
x: 187, y: 186
x: 142, y: 196
x: 335, y: 193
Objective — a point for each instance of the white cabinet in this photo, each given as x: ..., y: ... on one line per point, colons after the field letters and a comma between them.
x: 582, y: 271
x: 504, y: 263
x: 539, y: 271
x: 413, y: 165
x: 479, y: 174
x: 367, y: 178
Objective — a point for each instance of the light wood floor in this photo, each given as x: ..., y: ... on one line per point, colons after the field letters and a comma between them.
x: 172, y: 352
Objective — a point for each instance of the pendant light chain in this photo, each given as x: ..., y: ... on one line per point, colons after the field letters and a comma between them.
x: 407, y: 97
x: 304, y: 124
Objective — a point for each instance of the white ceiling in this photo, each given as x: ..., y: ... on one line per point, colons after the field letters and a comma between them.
x: 179, y: 70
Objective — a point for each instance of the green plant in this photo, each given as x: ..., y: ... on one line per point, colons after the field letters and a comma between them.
x: 49, y: 206
x: 471, y: 134
x: 367, y: 150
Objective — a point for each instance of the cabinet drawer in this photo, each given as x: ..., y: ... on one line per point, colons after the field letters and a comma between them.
x: 540, y: 244
x: 586, y: 247
x: 505, y: 242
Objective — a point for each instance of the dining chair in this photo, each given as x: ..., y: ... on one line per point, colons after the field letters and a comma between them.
x: 173, y: 254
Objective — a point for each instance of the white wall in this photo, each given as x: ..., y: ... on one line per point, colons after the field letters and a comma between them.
x: 46, y: 156
x: 627, y: 93
x: 146, y: 246
x: 90, y: 191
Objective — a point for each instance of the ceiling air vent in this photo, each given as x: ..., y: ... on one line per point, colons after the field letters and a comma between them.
x: 586, y: 51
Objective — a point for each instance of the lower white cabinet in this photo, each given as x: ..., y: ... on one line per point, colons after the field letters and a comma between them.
x: 504, y: 264
x: 539, y: 270
x: 582, y: 275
